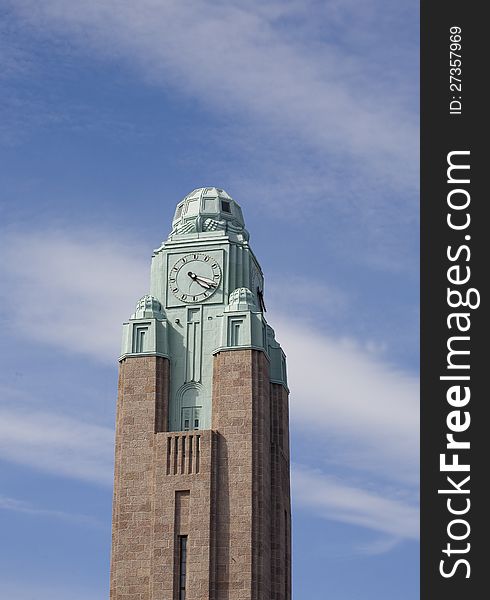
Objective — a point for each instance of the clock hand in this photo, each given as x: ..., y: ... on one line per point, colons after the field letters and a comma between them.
x: 199, y: 280
x: 202, y: 281
x: 205, y: 279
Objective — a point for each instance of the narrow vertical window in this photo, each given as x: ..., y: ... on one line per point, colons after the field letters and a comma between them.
x: 139, y: 336
x: 197, y: 417
x: 189, y: 466
x: 169, y: 453
x: 191, y: 418
x: 186, y: 418
x: 141, y: 340
x: 182, y: 458
x: 234, y: 333
x: 182, y: 565
x: 198, y: 448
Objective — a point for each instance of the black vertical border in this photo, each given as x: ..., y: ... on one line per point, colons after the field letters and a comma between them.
x: 440, y: 134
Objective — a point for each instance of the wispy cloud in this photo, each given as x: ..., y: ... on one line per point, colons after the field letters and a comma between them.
x: 333, y: 499
x: 307, y: 294
x: 57, y: 444
x: 309, y: 100
x: 349, y: 407
x: 345, y: 392
x: 20, y: 506
x: 267, y: 64
x: 75, y: 291
x: 377, y: 546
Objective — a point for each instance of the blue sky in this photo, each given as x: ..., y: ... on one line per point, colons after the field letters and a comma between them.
x: 307, y: 114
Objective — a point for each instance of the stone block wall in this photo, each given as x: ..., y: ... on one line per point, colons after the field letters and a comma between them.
x: 179, y: 476
x: 280, y: 495
x: 250, y: 417
x: 225, y: 489
x: 142, y: 392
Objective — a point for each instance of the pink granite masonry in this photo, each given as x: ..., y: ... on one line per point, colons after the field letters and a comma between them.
x: 226, y: 490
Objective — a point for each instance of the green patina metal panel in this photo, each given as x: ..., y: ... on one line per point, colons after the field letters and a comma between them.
x: 205, y: 296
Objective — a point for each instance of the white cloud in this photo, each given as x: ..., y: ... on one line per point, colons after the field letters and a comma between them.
x: 242, y: 58
x: 307, y: 294
x: 333, y: 499
x: 310, y: 98
x: 57, y: 444
x: 15, y: 505
x: 346, y: 395
x: 377, y: 546
x: 71, y: 292
x: 350, y: 407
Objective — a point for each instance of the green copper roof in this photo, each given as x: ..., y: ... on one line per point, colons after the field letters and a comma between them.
x: 208, y: 209
x: 148, y: 307
x: 208, y: 242
x: 146, y: 332
x: 242, y: 299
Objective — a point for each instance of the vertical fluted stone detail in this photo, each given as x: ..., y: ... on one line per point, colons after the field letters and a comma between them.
x: 235, y: 481
x: 167, y: 525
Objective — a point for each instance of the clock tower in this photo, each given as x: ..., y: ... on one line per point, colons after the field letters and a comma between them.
x: 201, y: 505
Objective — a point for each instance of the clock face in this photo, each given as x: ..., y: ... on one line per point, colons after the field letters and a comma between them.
x: 194, y: 277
